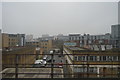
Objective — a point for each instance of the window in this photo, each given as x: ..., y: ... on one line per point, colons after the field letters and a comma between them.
x: 72, y: 38
x: 75, y: 58
x: 118, y: 58
x: 79, y: 58
x: 92, y: 58
x: 109, y: 58
x: 115, y: 58
x: 101, y: 58
x: 80, y: 69
x: 83, y: 58
x: 92, y: 69
x: 104, y: 58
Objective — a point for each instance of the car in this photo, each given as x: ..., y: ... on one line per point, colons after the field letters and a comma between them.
x: 60, y: 64
x: 38, y: 62
x: 41, y: 62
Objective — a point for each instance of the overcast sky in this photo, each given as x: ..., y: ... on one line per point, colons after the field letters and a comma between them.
x: 58, y: 17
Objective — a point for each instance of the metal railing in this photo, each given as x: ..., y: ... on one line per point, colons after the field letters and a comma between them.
x: 17, y: 64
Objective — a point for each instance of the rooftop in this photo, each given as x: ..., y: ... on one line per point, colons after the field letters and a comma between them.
x: 76, y: 48
x: 33, y: 72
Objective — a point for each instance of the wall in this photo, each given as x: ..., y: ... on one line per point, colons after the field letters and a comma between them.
x: 9, y: 57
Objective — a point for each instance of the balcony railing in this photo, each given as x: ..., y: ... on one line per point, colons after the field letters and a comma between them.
x: 23, y: 65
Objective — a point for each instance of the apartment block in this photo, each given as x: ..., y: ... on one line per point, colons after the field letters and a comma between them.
x: 46, y: 45
x: 12, y: 40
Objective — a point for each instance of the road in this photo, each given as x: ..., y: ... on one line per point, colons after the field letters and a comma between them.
x: 57, y: 60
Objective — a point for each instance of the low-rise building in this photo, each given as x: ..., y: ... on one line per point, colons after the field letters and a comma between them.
x: 90, y: 63
x: 12, y: 40
x: 87, y: 40
x: 33, y: 43
x: 46, y: 45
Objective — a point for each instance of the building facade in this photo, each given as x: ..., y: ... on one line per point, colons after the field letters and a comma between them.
x: 12, y: 40
x: 46, y: 45
x: 89, y: 63
x: 115, y: 33
x: 33, y: 43
x: 88, y: 41
x: 5, y: 40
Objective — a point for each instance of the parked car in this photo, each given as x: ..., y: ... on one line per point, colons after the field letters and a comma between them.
x: 40, y: 62
x: 60, y: 64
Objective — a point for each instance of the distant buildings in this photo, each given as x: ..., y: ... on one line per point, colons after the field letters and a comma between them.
x: 46, y: 45
x: 33, y: 43
x: 29, y: 38
x: 45, y: 35
x: 98, y: 42
x: 90, y: 41
x: 12, y: 40
x: 62, y: 37
x: 115, y: 33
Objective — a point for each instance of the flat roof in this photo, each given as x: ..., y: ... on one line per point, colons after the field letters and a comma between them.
x: 76, y: 48
x: 32, y: 70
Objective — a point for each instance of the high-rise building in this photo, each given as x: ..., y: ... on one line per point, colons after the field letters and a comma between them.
x: 115, y: 33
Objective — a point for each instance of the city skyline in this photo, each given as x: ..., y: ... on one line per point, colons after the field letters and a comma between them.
x: 59, y: 18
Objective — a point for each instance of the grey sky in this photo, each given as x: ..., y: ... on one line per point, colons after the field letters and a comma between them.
x: 58, y: 17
